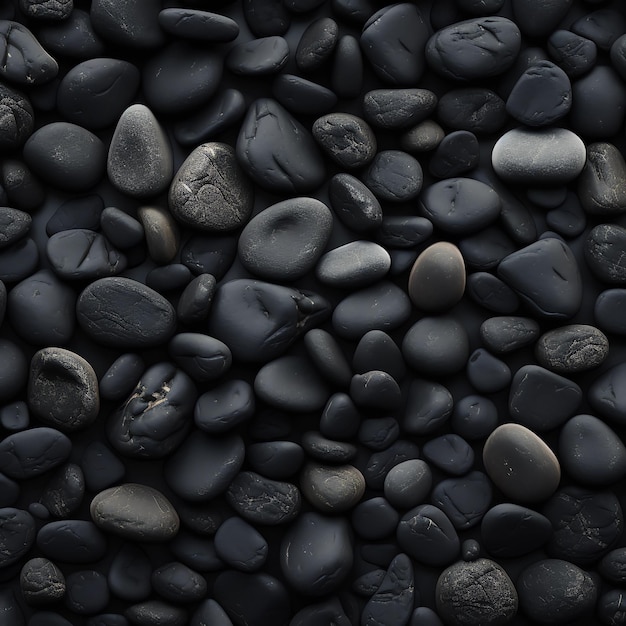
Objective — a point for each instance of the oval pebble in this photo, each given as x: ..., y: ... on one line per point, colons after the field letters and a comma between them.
x: 394, y: 176
x: 198, y: 25
x: 317, y: 44
x: 606, y: 396
x: 332, y: 489
x: 408, y: 483
x: 354, y: 204
x: 129, y: 574
x: 86, y: 592
x: 504, y: 334
x: 346, y: 138
x: 41, y: 582
x: 175, y: 582
x: 258, y: 57
x: 72, y: 541
x: 398, y: 108
x: 202, y: 357
x: 225, y: 406
x: 17, y: 535
x: 598, y: 185
x: 603, y: 253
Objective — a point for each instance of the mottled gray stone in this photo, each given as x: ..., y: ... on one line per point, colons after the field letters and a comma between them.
x: 332, y: 488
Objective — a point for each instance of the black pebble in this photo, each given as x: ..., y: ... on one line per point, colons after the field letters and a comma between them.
x: 428, y: 406
x: 457, y: 154
x: 398, y: 108
x: 225, y: 406
x: 83, y: 212
x: 354, y: 203
x: 394, y: 176
x: 17, y: 535
x: 87, y: 592
x: 302, y: 96
x: 374, y: 519
x: 317, y: 44
x: 576, y: 55
x: 491, y: 293
x: 464, y: 500
x: 129, y: 574
x: 175, y: 582
x: 198, y: 25
x: 18, y: 120
x: 474, y: 417
x: 240, y: 545
x: 64, y: 492
x: 475, y: 109
x: 72, y: 541
x: 347, y: 74
x: 209, y: 254
x: 259, y: 57
x: 450, y: 453
x: 266, y: 17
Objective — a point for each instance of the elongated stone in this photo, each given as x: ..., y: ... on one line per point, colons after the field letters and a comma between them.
x: 599, y: 187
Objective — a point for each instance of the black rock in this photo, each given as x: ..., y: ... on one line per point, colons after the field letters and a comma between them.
x: 13, y: 370
x: 17, y: 119
x: 258, y: 57
x: 475, y: 109
x: 404, y: 231
x: 618, y: 55
x: 17, y: 535
x: 449, y: 453
x: 121, y: 377
x: 542, y: 400
x: 64, y: 492
x: 86, y: 592
x: 485, y: 249
x: 423, y: 137
x: 129, y: 574
x: 326, y: 354
x: 240, y: 545
x: 408, y: 483
x: 340, y: 418
x: 101, y: 467
x: 491, y: 293
x: 346, y: 138
x: 398, y: 108
x: 394, y: 176
x: 538, y: 20
x: 317, y: 44
x: 198, y: 25
x: 225, y: 406
x: 172, y: 277
x: 73, y: 37
x: 429, y: 404
x: 277, y: 460
x: 374, y: 519
x: 20, y: 185
x: 377, y: 350
x: 210, y: 612
x: 510, y: 530
x: 347, y: 74
x: 41, y: 582
x: 128, y: 25
x: 603, y: 27
x: 266, y: 17
x: 325, y: 450
x: 161, y: 233
x: 354, y: 204
x: 456, y: 154
x: 379, y: 463
x: 178, y: 583
x: 487, y: 373
x: 18, y: 260
x: 464, y: 500
x: 319, y: 613
x: 204, y: 358
x: 332, y: 488
x: 605, y: 394
x: 72, y: 541
x: 376, y: 390
x: 48, y: 618
x: 474, y: 417
x: 576, y: 55
x: 611, y: 566
x: 195, y: 301
x: 77, y: 212
x: 598, y: 187
x: 157, y: 611
x: 14, y: 417
x: 602, y: 247
x: 301, y: 96
x: 196, y: 552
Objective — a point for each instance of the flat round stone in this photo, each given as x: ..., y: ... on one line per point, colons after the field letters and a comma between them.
x: 240, y: 545
x: 408, y: 483
x: 332, y: 489
x: 507, y: 333
x: 135, y: 512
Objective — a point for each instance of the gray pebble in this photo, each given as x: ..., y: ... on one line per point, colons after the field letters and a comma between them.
x: 41, y: 582
x: 599, y: 185
x: 394, y: 176
x: 504, y: 334
x: 408, y: 483
x: 161, y: 233
x: 332, y: 488
x: 353, y: 265
x: 423, y: 137
x: 603, y: 253
x: 398, y: 108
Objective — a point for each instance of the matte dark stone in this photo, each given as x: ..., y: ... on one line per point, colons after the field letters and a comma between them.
x: 378, y: 433
x: 426, y: 534
x: 258, y: 57
x: 325, y: 450
x: 605, y: 394
x: 586, y: 524
x: 86, y: 592
x: 20, y: 185
x: 428, y: 405
x: 576, y: 55
x: 135, y: 512
x: 602, y: 256
x: 210, y: 612
x: 129, y: 575
x: 316, y: 554
x: 464, y: 500
x: 240, y: 545
x: 613, y: 566
x: 16, y: 118
x: 19, y: 260
x: 383, y: 306
x: 66, y: 155
x: 204, y: 358
x: 155, y: 418
x: 225, y: 109
x: 151, y: 611
x: 404, y: 231
x: 29, y: 64
x: 76, y: 212
x: 13, y: 370
x: 107, y: 619
x: 195, y: 300
x: 474, y: 417
x: 316, y: 44
x: 72, y: 541
x: 14, y: 417
x: 225, y: 406
x: 41, y: 582
x: 609, y: 607
x: 301, y: 96
x: 554, y: 591
x: 487, y: 373
x: 347, y: 73
x: 203, y: 466
x: 122, y: 312
x: 354, y: 11
x: 203, y: 518
x: 175, y: 582
x: 340, y: 418
x: 269, y: 135
x: 456, y: 154
x: 326, y: 354
x: 172, y: 277
x: 598, y: 185
x: 449, y: 453
x: 423, y: 137
x: 355, y: 205
x: 377, y: 350
x: 260, y: 500
x: 393, y: 41
x: 398, y: 108
x: 196, y: 552
x: 374, y: 519
x: 479, y: 591
x: 568, y: 219
x: 510, y: 530
x: 256, y: 599
x: 121, y: 377
x: 474, y: 109
x: 545, y: 16
x: 618, y: 55
x: 491, y: 293
x: 101, y: 467
x: 379, y: 463
x: 17, y: 535
x: 408, y: 483
x: 485, y: 249
x: 94, y: 93
x: 603, y: 27
x: 376, y: 390
x: 345, y: 138
x: 367, y: 584
x: 198, y: 25
x: 48, y: 618
x: 394, y: 176
x: 319, y: 613
x: 277, y: 460
x: 33, y: 452
x: 542, y: 400
x: 209, y: 254
x: 332, y: 488
x: 64, y: 492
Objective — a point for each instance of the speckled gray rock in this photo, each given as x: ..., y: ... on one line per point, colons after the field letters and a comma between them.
x: 16, y: 117
x: 209, y: 191
x: 161, y: 233
x: 478, y: 592
x: 503, y: 334
x: 573, y: 348
x: 17, y: 535
x: 599, y: 186
x: 394, y: 176
x: 547, y: 156
x: 353, y: 265
x: 423, y: 137
x: 353, y: 203
x: 398, y: 108
x: 603, y: 251
x: 332, y: 488
x: 41, y: 582
x: 135, y: 512
x: 346, y: 138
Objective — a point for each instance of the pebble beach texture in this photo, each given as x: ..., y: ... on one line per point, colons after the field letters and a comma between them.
x: 312, y: 312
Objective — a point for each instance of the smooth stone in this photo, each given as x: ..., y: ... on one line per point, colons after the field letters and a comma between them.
x: 571, y: 349
x: 393, y: 41
x: 456, y: 154
x: 171, y: 277
x: 605, y: 394
x: 426, y: 534
x: 277, y: 152
x: 428, y: 405
x: 317, y: 44
x: 240, y: 545
x: 609, y: 607
x: 276, y: 460
x: 284, y: 241
x: 19, y: 260
x: 101, y: 467
x: 225, y: 109
x: 77, y: 212
x: 48, y: 618
x: 72, y: 541
x: 340, y: 418
x: 598, y: 104
x: 175, y: 582
x: 464, y: 500
x: 383, y: 306
x: 225, y: 406
x: 548, y: 198
x: 14, y: 417
x: 326, y: 612
x: 579, y: 441
x: 504, y: 334
x: 332, y: 489
x: 475, y: 109
x: 474, y: 417
x: 86, y: 592
x: 121, y: 377
x: 94, y: 93
x: 266, y: 17
x: 374, y: 519
x: 521, y: 464
x: 327, y: 356
x: 64, y: 491
x: 576, y: 55
x: 127, y: 25
x: 599, y: 186
x: 476, y: 592
x: 210, y: 191
x: 460, y: 206
x: 611, y: 566
x: 155, y: 418
x: 29, y: 64
x: 347, y: 139
x: 354, y: 204
x: 458, y: 52
x: 602, y: 253
x: 541, y: 96
x: 210, y: 612
x: 381, y: 461
x: 539, y: 19
x: 398, y: 108
x: 602, y: 26
x: 14, y: 224
x: 33, y: 452
x: 425, y: 616
x: 408, y: 483
x: 124, y: 313
x: 82, y: 254
x: 437, y: 278
x: 436, y: 346
x: 41, y: 582
x: 135, y: 512
x: 393, y: 600
x: 367, y: 584
x: 158, y: 611
x: 485, y: 249
x: 301, y: 96
x: 204, y: 466
x: 394, y: 176
x: 16, y: 119
x: 542, y: 400
x: 423, y: 137
x: 13, y: 370
x: 73, y: 37
x: 316, y: 554
x: 261, y: 500
x: 554, y: 591
x: 209, y: 254
x: 198, y: 25
x: 487, y: 373
x: 510, y: 530
x: 404, y: 232
x: 258, y: 57
x: 376, y: 390
x: 617, y: 55
x: 377, y: 350
x: 194, y: 303
x: 558, y: 292
x: 449, y: 453
x: 129, y: 574
x: 346, y: 79
x: 545, y: 156
x: 255, y: 599
x: 325, y: 450
x: 20, y: 185
x: 66, y: 155
x: 202, y: 357
x: 17, y: 535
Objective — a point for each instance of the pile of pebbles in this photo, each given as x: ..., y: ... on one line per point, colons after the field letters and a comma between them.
x: 312, y: 312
